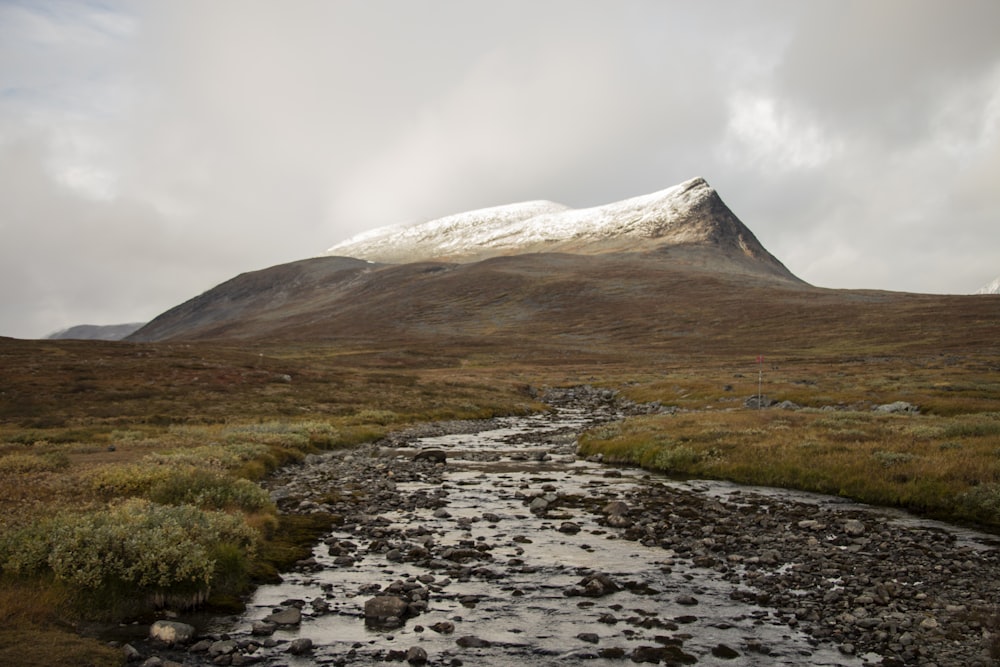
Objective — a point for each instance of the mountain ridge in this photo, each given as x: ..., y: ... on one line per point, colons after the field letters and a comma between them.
x: 690, y: 213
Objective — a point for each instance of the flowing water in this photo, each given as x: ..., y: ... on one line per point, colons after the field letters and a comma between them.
x: 521, y: 601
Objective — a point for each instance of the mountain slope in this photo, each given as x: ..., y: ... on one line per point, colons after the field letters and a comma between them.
x: 96, y: 332
x: 547, y: 306
x: 688, y: 214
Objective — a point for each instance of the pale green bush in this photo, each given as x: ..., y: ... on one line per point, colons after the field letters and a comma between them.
x: 134, y: 544
x: 981, y: 503
x: 127, y: 480
x: 225, y: 457
x: 678, y: 458
x: 187, y: 485
x: 208, y: 489
x: 19, y: 462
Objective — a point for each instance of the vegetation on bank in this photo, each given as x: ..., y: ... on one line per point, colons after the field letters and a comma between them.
x: 109, y: 510
x: 943, y: 462
x: 106, y: 449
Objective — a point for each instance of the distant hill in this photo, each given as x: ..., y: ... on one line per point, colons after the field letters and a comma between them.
x: 96, y: 331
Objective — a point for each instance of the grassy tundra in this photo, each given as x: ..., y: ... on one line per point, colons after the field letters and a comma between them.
x: 128, y: 471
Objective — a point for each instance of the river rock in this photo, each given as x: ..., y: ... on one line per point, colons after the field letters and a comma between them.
x: 725, y: 652
x: 854, y: 528
x: 262, y: 628
x: 569, y: 527
x: 171, y: 632
x: 416, y: 655
x: 471, y: 641
x: 386, y: 610
x: 443, y: 627
x: 222, y: 647
x: 285, y: 616
x: 539, y: 505
x: 432, y: 455
x: 593, y: 586
x: 300, y: 646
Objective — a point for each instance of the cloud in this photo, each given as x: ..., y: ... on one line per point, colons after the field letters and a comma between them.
x: 157, y: 149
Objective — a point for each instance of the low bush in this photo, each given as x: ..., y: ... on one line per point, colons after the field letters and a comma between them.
x: 133, y: 547
x: 20, y: 462
x: 210, y: 490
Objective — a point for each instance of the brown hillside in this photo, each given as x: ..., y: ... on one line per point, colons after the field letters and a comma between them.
x: 612, y: 304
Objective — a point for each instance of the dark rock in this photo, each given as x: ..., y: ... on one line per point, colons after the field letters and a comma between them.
x: 416, y: 655
x: 285, y: 616
x: 725, y: 652
x: 222, y: 647
x: 443, y: 627
x: 386, y: 611
x: 470, y: 641
x: 432, y: 455
x: 300, y: 646
x: 589, y: 637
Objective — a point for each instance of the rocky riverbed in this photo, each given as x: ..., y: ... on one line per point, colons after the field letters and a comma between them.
x: 491, y: 543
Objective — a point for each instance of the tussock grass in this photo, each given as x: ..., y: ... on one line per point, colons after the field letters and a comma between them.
x: 947, y: 467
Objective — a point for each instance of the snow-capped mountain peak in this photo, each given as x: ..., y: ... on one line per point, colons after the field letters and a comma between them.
x: 690, y: 213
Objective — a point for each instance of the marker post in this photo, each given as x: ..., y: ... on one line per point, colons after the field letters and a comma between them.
x: 760, y: 381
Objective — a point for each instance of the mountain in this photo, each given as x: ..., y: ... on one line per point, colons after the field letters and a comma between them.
x: 511, y: 267
x: 96, y: 331
x: 991, y: 288
x: 688, y: 214
x: 674, y: 272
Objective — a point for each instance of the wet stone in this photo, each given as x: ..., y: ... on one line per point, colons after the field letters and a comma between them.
x: 470, y: 641
x: 725, y: 652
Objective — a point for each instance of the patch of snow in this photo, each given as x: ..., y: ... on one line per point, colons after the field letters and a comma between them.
x: 992, y: 288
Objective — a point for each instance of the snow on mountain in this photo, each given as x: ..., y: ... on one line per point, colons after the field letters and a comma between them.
x: 685, y: 213
x: 992, y: 288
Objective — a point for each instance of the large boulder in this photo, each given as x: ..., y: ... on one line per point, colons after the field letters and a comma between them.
x: 171, y: 632
x: 898, y: 407
x: 386, y: 611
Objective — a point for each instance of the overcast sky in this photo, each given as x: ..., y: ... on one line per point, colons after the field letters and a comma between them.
x: 151, y: 150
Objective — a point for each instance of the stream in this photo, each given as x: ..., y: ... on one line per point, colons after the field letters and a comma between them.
x: 505, y: 548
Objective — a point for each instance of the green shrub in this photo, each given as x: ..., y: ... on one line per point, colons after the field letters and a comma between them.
x: 125, y: 481
x: 188, y: 485
x: 21, y: 462
x: 889, y: 459
x: 208, y: 489
x: 135, y: 544
x: 981, y: 503
x: 223, y: 457
x: 679, y: 458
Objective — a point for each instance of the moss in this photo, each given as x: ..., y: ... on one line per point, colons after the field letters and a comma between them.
x: 293, y: 540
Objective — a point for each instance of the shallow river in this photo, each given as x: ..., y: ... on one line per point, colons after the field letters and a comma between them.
x: 519, y: 603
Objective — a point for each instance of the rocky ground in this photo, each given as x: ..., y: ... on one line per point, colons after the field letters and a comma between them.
x: 804, y: 581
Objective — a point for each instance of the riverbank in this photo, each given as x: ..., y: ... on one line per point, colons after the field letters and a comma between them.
x: 501, y: 544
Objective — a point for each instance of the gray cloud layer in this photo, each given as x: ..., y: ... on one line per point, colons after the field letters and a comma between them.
x: 150, y: 151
